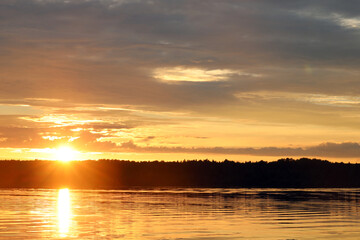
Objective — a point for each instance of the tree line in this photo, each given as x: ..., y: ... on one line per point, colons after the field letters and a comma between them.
x: 118, y: 174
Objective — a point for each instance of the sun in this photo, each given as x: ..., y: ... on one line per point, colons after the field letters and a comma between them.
x: 65, y: 154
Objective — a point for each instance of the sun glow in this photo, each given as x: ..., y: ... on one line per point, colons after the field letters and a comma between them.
x: 65, y: 154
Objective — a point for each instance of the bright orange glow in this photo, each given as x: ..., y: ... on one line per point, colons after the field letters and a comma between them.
x: 64, y: 212
x: 65, y: 154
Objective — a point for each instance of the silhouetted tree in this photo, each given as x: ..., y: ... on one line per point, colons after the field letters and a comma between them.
x: 115, y: 174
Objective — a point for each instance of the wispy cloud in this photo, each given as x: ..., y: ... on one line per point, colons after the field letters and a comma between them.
x: 320, y: 99
x: 184, y: 74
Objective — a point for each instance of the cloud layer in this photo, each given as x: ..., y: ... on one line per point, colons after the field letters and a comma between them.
x: 277, y: 73
x: 332, y: 150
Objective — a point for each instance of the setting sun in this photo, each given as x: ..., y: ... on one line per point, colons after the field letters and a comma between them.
x: 65, y: 154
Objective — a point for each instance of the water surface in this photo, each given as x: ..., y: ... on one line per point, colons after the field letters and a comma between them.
x: 182, y: 213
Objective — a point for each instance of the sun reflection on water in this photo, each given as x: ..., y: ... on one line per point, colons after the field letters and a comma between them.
x: 64, y: 211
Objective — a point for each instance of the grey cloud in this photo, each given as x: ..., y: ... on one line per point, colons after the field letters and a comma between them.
x: 336, y: 150
x: 103, y: 52
x: 147, y: 139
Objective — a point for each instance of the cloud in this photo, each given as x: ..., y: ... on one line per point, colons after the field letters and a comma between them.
x: 183, y: 74
x: 115, y: 65
x: 54, y: 131
x: 319, y: 99
x: 335, y: 150
x: 83, y: 140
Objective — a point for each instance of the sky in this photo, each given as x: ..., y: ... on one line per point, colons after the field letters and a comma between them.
x: 172, y: 80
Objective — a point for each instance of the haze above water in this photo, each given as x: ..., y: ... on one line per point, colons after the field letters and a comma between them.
x: 180, y: 214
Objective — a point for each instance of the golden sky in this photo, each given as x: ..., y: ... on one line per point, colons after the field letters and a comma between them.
x: 174, y: 80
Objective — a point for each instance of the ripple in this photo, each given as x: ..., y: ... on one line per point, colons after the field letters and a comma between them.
x: 183, y: 213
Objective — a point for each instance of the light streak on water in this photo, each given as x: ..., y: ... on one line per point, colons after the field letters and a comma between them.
x: 64, y: 212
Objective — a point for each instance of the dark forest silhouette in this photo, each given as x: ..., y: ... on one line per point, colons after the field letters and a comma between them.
x: 117, y: 174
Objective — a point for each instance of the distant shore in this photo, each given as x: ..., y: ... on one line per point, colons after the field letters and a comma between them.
x: 117, y: 174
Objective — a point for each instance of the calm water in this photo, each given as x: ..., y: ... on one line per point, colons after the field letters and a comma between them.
x: 180, y: 214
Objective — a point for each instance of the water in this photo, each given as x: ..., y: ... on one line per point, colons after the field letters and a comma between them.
x: 180, y: 214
